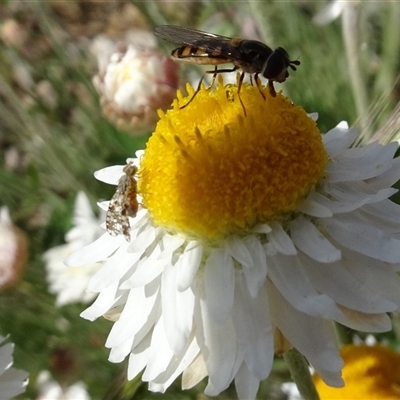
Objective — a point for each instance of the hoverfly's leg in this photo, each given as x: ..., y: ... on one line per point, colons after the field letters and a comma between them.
x: 258, y: 83
x: 196, y: 91
x: 271, y: 88
x: 251, y: 80
x: 214, y: 76
x: 239, y: 86
x: 215, y: 72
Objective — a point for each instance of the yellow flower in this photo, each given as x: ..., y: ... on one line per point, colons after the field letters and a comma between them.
x: 209, y: 171
x: 369, y: 373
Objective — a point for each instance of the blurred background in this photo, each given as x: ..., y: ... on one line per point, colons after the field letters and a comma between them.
x: 80, y: 85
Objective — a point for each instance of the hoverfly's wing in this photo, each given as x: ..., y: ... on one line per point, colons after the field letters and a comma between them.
x: 209, y: 42
x: 186, y: 36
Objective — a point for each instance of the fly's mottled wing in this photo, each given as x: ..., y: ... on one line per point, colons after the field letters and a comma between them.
x: 207, y: 43
x: 123, y: 204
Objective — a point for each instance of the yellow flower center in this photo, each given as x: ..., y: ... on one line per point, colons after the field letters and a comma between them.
x: 210, y: 171
x: 369, y: 373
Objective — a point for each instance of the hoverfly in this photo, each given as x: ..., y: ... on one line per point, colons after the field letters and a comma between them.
x: 251, y: 56
x: 123, y: 204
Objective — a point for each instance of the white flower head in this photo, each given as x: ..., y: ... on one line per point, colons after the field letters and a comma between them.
x: 70, y: 284
x: 134, y: 83
x: 13, y: 251
x: 251, y: 231
x: 12, y: 381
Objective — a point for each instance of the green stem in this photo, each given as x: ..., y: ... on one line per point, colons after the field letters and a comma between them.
x: 388, y: 70
x: 344, y: 334
x: 259, y: 12
x: 351, y: 43
x: 300, y: 372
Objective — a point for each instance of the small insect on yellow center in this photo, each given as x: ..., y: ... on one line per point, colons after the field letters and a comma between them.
x: 209, y: 172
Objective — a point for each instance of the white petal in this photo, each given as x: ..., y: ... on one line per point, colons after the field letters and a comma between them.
x: 142, y: 238
x: 238, y: 251
x: 313, y: 116
x: 280, y: 240
x: 376, y: 323
x: 13, y: 382
x: 344, y: 125
x: 246, y: 384
x: 139, y: 314
x: 331, y: 378
x: 355, y: 234
x: 177, y: 310
x: 97, y: 251
x: 110, y: 175
x: 171, y: 243
x: 350, y: 196
x: 360, y: 163
x: 102, y: 304
x: 252, y: 324
x: 255, y: 276
x: 160, y: 354
x: 175, y: 368
x: 385, y: 210
x: 118, y: 353
x: 146, y: 271
x: 103, y: 205
x: 112, y: 271
x: 188, y: 264
x: 378, y: 276
x: 339, y: 139
x: 310, y: 240
x: 6, y: 358
x: 387, y: 178
x: 335, y: 281
x: 313, y: 337
x: 313, y: 207
x: 290, y: 279
x: 194, y: 373
x: 219, y: 279
x: 261, y: 228
x: 139, y: 357
x: 219, y: 346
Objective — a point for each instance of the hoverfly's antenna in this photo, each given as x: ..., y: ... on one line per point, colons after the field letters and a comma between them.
x: 293, y: 63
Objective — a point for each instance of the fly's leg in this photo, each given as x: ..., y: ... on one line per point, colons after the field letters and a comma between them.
x: 258, y: 83
x: 239, y: 86
x: 271, y: 88
x: 215, y: 72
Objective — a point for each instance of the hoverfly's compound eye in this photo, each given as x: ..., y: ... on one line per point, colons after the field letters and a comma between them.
x: 275, y: 68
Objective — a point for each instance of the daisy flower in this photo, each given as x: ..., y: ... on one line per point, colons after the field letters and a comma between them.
x: 253, y: 234
x: 12, y: 381
x: 134, y: 80
x: 13, y: 251
x: 70, y: 284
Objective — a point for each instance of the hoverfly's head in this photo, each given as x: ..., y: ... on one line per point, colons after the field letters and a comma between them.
x: 276, y: 67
